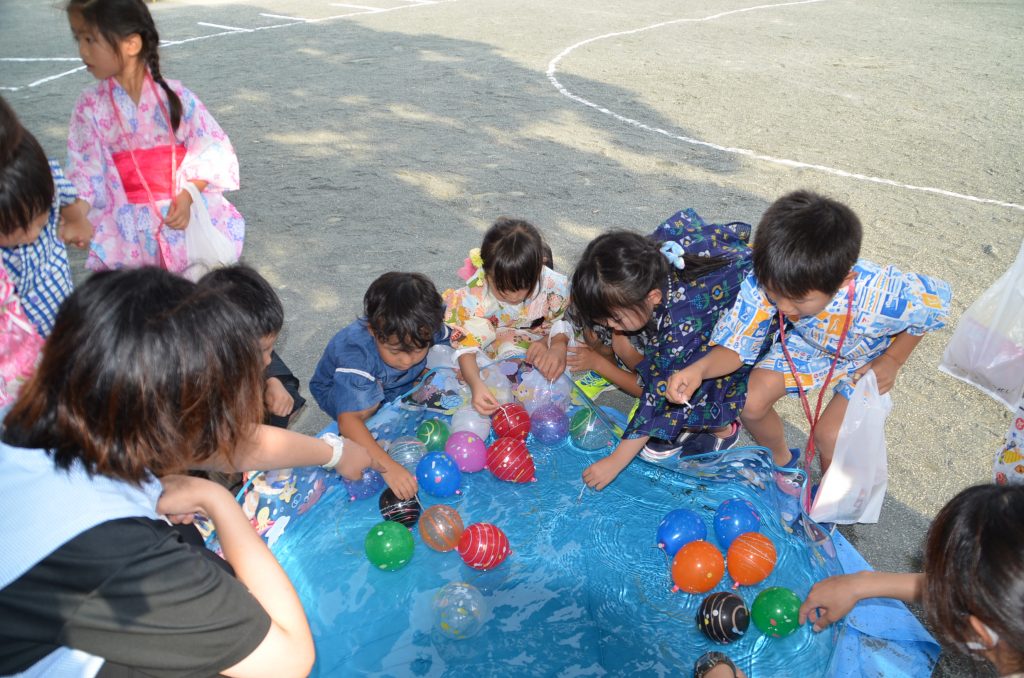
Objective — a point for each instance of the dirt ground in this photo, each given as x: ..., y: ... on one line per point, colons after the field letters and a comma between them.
x: 387, y: 134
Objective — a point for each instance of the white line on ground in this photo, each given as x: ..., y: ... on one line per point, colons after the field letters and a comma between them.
x: 293, y: 21
x: 369, y: 9
x: 226, y: 28
x: 39, y: 59
x: 796, y: 164
x: 281, y: 16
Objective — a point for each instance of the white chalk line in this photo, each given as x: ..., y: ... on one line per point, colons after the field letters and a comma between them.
x: 230, y: 30
x: 745, y: 152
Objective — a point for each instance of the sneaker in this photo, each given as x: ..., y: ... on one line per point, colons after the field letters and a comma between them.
x: 659, y: 450
x: 706, y: 441
x: 593, y: 384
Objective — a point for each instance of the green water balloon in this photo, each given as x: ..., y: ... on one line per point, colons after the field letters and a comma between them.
x: 389, y: 545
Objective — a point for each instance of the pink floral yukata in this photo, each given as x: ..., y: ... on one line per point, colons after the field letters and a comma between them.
x: 20, y: 343
x: 479, y: 322
x: 126, y: 230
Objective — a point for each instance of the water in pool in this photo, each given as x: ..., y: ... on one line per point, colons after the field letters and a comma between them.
x: 585, y: 591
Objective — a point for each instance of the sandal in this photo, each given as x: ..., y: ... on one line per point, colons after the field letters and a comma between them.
x: 711, y: 660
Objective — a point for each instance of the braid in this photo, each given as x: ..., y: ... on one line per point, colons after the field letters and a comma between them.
x: 153, y: 61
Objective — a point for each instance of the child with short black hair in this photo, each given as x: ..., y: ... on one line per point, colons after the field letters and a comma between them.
x: 377, y: 358
x: 841, y: 316
x: 512, y: 303
x: 39, y: 211
x: 671, y: 286
x: 251, y: 292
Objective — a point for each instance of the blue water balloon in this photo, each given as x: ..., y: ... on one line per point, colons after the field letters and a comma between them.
x: 367, y: 486
x: 438, y: 474
x: 733, y: 518
x: 678, y: 528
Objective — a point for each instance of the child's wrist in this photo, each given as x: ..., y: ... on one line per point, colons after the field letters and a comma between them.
x: 899, y: 363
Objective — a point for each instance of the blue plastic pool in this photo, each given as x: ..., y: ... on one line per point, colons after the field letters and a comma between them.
x: 586, y: 592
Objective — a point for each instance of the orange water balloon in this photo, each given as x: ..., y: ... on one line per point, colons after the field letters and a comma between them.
x: 751, y: 558
x: 441, y: 527
x: 697, y: 567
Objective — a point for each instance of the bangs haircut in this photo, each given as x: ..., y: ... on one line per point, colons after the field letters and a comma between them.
x: 806, y: 243
x: 974, y: 565
x: 142, y: 373
x: 26, y: 184
x: 619, y: 269
x: 243, y: 286
x: 513, y: 254
x: 404, y: 307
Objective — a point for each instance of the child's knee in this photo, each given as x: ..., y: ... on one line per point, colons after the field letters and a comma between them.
x: 759, y: 403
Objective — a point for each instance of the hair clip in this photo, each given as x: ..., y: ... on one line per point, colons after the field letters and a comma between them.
x: 674, y: 252
x: 472, y: 270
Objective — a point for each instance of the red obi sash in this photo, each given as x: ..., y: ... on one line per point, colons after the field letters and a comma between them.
x: 152, y: 167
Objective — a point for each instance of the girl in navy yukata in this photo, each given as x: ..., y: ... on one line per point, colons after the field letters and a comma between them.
x: 671, y: 285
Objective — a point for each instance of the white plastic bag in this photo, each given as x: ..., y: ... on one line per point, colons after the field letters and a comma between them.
x: 987, y: 348
x: 853, y: 488
x: 207, y: 247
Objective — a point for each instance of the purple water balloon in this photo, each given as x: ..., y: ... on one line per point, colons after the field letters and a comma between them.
x: 367, y: 486
x: 549, y: 424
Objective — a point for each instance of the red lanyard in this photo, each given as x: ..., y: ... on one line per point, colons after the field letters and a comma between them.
x: 142, y: 178
x: 813, y: 420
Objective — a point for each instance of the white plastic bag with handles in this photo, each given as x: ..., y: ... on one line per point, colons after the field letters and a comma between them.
x: 987, y: 348
x: 853, y: 488
x: 207, y: 247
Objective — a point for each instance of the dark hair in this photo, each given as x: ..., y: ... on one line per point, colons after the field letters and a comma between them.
x: 513, y: 254
x: 244, y: 287
x: 619, y: 269
x: 405, y: 307
x: 116, y: 20
x: 26, y: 184
x: 805, y: 243
x: 974, y: 565
x: 143, y: 372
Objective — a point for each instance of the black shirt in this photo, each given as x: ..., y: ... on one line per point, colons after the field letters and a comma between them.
x: 133, y: 592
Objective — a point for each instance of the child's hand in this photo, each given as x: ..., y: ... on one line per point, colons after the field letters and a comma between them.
x: 401, y: 482
x: 550, y: 360
x: 277, y: 399
x: 484, y: 401
x: 583, y: 358
x: 603, y: 471
x: 74, y: 227
x: 185, y: 496
x: 885, y: 368
x: 829, y: 601
x: 179, y: 213
x: 683, y: 383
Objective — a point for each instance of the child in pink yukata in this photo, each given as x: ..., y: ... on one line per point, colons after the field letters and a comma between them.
x: 841, y: 316
x: 136, y: 138
x: 512, y: 303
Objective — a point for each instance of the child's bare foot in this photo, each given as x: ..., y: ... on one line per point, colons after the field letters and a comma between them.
x: 353, y: 461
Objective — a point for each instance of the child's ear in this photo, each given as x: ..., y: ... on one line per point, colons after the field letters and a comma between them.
x: 987, y: 637
x: 131, y: 46
x: 654, y: 297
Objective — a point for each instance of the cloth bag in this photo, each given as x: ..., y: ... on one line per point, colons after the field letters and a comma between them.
x: 853, y: 488
x: 207, y: 247
x: 987, y: 348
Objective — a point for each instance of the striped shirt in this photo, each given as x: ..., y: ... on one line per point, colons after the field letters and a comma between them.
x: 40, y: 270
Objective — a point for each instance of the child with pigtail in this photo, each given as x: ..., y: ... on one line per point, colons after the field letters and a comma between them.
x: 136, y: 139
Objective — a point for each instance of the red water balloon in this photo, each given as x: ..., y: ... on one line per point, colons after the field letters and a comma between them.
x: 509, y: 459
x: 511, y: 420
x: 483, y: 546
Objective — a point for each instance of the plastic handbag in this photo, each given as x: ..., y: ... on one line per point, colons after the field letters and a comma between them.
x: 853, y: 488
x: 207, y: 247
x: 987, y: 348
